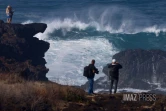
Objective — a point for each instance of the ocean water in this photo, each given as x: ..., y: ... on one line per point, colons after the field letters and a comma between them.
x: 81, y: 30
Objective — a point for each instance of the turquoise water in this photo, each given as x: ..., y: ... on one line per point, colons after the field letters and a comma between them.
x: 79, y: 30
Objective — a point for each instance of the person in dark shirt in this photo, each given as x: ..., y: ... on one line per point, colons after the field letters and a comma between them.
x: 91, y: 76
x: 114, y: 74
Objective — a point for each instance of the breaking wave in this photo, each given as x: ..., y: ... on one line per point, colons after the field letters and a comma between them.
x: 66, y: 58
x: 75, y: 40
x: 68, y: 25
x: 74, y: 43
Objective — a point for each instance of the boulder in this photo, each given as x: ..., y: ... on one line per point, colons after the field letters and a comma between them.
x: 142, y: 66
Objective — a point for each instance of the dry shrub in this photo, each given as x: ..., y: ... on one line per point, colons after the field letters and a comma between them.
x: 18, y: 94
x: 11, y: 78
x: 73, y: 94
x: 66, y: 93
x: 22, y: 96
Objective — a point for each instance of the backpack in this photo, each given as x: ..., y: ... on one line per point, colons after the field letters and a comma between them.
x: 112, y: 70
x: 86, y: 72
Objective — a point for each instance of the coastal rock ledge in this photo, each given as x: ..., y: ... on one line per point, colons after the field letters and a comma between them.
x: 142, y: 69
x: 21, y: 53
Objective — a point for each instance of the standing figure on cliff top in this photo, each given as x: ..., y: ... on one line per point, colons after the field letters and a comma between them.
x: 9, y: 13
x: 114, y: 74
x: 91, y: 70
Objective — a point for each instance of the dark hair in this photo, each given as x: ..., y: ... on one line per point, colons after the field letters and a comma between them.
x: 93, y: 61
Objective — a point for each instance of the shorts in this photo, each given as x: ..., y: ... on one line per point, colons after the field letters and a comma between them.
x: 9, y: 16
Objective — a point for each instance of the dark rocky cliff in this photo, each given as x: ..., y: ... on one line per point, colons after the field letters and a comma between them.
x: 142, y: 69
x: 20, y: 52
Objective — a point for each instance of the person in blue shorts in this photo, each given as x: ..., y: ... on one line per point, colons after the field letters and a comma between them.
x: 9, y: 13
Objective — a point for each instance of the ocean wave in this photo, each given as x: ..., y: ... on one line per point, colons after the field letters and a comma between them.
x: 154, y: 29
x: 68, y: 25
x: 66, y: 58
x: 112, y: 19
x: 27, y: 22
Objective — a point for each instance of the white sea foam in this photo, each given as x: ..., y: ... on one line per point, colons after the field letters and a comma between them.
x: 27, y: 22
x: 66, y: 58
x: 67, y: 24
x: 132, y: 90
x: 161, y: 89
x: 154, y: 29
x: 124, y: 89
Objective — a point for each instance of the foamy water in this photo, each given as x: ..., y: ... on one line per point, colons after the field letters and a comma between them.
x: 67, y: 24
x: 123, y: 89
x: 66, y: 59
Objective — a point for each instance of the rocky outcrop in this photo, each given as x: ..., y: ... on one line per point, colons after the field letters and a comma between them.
x: 142, y: 69
x: 20, y: 52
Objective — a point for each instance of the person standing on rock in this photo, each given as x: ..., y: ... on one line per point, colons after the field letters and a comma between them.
x: 114, y: 74
x: 9, y: 13
x: 92, y: 71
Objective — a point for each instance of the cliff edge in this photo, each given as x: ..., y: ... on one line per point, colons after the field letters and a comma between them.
x: 20, y: 52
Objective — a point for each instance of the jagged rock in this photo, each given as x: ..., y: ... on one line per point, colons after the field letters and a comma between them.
x: 22, y: 53
x: 142, y: 66
x: 142, y: 69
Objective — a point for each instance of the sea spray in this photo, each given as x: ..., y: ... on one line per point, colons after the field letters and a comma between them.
x: 66, y: 59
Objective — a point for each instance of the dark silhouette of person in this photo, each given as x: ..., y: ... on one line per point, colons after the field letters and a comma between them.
x: 114, y: 74
x: 91, y: 76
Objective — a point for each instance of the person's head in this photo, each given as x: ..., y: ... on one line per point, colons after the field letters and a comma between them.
x: 8, y: 7
x: 93, y: 61
x: 113, y: 61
